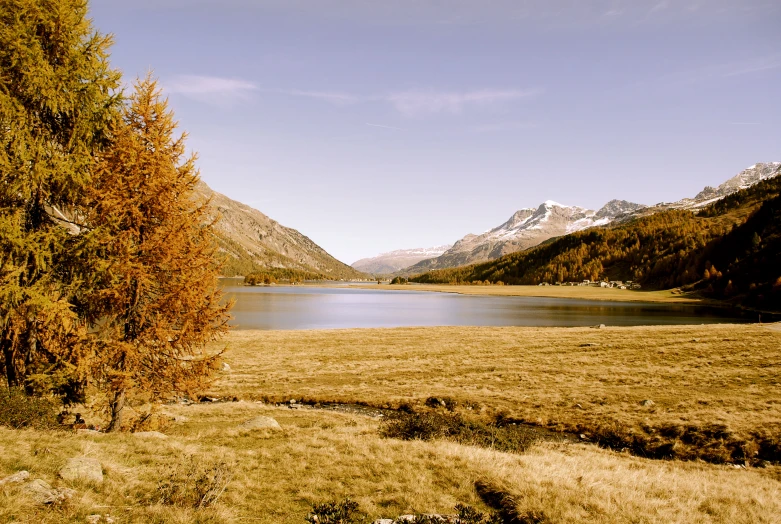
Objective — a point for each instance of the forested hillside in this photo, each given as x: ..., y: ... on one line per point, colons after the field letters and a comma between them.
x: 728, y: 250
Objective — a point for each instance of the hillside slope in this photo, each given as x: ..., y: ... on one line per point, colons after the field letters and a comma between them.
x: 254, y: 242
x: 532, y: 226
x: 730, y: 249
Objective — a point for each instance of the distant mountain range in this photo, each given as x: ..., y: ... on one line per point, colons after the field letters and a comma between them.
x: 529, y: 227
x: 730, y: 249
x: 254, y: 242
x: 388, y: 263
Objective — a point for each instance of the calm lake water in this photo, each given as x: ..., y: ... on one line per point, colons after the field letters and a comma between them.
x: 309, y: 307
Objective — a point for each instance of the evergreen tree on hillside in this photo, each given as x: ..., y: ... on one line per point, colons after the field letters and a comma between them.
x: 153, y: 293
x: 57, y: 100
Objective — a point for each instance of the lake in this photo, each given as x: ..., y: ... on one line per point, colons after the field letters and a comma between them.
x: 310, y: 307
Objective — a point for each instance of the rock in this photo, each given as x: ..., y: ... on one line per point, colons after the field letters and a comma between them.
x: 292, y: 401
x: 601, y: 326
x: 82, y: 469
x: 16, y: 478
x: 578, y: 406
x: 150, y: 434
x: 225, y: 366
x: 647, y: 403
x: 583, y: 437
x: 383, y: 521
x: 260, y: 423
x: 294, y: 406
x: 42, y: 493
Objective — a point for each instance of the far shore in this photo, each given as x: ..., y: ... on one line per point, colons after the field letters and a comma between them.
x: 571, y: 292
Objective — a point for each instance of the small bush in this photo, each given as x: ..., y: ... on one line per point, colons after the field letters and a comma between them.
x: 19, y: 410
x: 451, y: 426
x: 194, y: 484
x: 344, y: 512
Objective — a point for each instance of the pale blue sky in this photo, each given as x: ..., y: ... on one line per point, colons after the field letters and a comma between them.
x: 375, y: 125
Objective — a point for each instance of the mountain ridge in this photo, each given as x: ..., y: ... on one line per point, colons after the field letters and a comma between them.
x: 392, y: 261
x: 529, y: 227
x: 254, y: 242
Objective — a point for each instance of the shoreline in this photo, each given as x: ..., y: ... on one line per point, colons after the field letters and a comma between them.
x: 566, y: 292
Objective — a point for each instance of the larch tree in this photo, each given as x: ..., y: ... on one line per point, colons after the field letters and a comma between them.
x: 58, y: 97
x: 154, y: 298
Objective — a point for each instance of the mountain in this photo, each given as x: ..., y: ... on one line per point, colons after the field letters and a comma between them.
x: 526, y: 228
x: 729, y: 249
x: 387, y: 263
x: 743, y: 180
x: 254, y: 242
x: 530, y: 227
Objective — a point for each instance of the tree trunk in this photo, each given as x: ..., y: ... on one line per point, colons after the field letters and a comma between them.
x: 117, y: 411
x: 8, y: 361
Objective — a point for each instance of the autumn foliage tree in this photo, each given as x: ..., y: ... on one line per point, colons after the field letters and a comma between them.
x: 153, y: 278
x: 57, y: 101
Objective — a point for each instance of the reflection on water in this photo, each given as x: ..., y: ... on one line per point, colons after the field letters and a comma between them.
x: 308, y: 307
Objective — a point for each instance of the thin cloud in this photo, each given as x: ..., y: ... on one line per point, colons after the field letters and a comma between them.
x: 211, y: 89
x: 328, y: 96
x: 416, y: 103
x: 384, y: 127
x: 754, y: 66
x: 419, y: 103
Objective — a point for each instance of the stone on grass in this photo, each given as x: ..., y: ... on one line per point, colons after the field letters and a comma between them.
x: 647, y: 403
x: 261, y: 423
x: 42, y: 493
x: 150, y: 434
x: 82, y: 469
x: 16, y: 478
x: 225, y: 366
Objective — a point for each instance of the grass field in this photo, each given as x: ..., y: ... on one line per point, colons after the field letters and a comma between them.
x: 578, y: 378
x: 573, y: 292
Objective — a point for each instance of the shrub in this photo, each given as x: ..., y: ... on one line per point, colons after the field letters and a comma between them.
x: 333, y: 512
x: 451, y: 426
x: 194, y: 484
x: 19, y: 410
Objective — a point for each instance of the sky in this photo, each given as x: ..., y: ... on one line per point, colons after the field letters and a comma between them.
x: 371, y: 126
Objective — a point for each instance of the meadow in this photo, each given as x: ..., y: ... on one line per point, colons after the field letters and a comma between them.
x: 582, y: 380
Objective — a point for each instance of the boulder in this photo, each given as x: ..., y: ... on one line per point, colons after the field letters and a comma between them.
x: 42, y: 493
x: 261, y: 423
x: 16, y: 478
x: 82, y: 469
x: 647, y: 403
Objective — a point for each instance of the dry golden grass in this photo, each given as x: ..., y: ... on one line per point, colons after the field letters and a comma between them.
x: 573, y: 292
x: 565, y: 377
x: 697, y: 374
x: 322, y: 455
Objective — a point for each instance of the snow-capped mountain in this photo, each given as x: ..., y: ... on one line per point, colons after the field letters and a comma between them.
x: 746, y: 178
x: 531, y: 226
x: 387, y: 263
x: 526, y: 228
